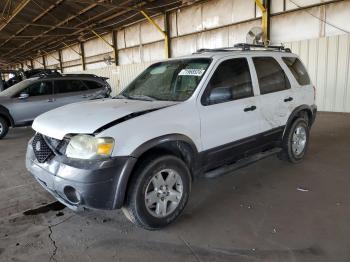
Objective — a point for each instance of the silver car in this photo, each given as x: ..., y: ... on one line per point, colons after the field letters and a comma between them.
x: 23, y: 102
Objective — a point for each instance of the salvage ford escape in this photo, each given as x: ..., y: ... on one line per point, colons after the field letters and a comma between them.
x: 202, y: 115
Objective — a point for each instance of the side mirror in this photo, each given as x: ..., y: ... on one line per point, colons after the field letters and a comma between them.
x: 23, y: 96
x: 219, y: 95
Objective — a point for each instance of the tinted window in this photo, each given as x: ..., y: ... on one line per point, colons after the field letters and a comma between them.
x: 231, y: 81
x: 93, y: 84
x: 40, y: 88
x: 298, y: 70
x: 69, y: 86
x: 270, y: 75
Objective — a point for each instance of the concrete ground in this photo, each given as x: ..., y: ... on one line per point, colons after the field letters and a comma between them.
x: 269, y: 211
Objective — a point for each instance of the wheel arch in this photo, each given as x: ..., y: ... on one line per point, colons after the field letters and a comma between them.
x: 300, y: 111
x: 5, y: 113
x: 174, y: 144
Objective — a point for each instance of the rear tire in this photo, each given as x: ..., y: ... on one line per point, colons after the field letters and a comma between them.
x: 295, y: 142
x: 158, y: 192
x: 4, y: 128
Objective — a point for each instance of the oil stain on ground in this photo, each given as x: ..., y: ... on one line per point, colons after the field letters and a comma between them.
x: 55, y: 206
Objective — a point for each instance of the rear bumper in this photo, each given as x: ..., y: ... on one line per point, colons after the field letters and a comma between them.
x: 83, y: 183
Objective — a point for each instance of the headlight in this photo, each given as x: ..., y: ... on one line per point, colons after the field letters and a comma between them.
x: 89, y: 147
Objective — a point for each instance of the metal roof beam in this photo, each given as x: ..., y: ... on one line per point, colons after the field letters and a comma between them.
x: 16, y: 11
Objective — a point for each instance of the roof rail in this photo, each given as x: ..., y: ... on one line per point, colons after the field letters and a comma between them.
x: 244, y: 47
x: 80, y: 75
x: 221, y: 49
x: 248, y: 47
x: 57, y: 74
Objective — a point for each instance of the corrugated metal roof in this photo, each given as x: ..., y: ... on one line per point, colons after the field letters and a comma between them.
x: 32, y: 27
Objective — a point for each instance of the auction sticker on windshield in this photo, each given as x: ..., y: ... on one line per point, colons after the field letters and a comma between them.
x: 191, y: 72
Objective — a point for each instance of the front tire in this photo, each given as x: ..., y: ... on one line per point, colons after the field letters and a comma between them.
x: 295, y: 141
x: 4, y: 128
x: 158, y: 192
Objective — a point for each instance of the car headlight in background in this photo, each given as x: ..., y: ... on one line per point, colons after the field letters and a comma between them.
x: 89, y: 147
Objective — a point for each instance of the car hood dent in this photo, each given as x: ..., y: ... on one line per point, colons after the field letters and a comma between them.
x: 87, y: 117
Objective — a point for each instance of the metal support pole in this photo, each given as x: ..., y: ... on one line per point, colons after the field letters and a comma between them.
x: 268, y: 16
x: 264, y: 20
x: 167, y: 44
x: 115, y: 48
x: 44, y: 62
x: 60, y: 60
x: 164, y: 33
x: 82, y: 56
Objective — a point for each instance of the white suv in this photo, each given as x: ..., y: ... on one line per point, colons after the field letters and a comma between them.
x: 202, y: 115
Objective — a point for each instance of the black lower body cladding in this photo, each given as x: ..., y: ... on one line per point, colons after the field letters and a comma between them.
x: 97, y: 184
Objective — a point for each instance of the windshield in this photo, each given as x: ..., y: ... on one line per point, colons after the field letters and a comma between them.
x: 171, y: 80
x: 15, y: 89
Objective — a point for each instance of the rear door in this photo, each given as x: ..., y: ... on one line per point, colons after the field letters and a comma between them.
x: 276, y: 99
x: 229, y: 114
x: 69, y: 91
x: 40, y: 100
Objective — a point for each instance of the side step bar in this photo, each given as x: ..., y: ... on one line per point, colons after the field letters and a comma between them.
x: 241, y: 163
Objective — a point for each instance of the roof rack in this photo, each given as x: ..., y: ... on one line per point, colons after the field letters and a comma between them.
x: 245, y: 47
x: 248, y: 47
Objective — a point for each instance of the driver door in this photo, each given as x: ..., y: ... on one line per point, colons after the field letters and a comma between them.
x: 39, y: 100
x: 229, y: 115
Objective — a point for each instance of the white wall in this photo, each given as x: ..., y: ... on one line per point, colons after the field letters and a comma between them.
x: 327, y: 60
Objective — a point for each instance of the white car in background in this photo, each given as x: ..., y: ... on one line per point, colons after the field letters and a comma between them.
x: 206, y: 114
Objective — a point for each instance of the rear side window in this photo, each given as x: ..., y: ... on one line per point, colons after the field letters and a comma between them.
x: 230, y: 81
x: 298, y: 70
x: 93, y: 85
x: 69, y: 86
x: 270, y: 74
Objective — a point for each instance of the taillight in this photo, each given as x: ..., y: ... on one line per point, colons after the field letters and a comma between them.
x: 314, y: 93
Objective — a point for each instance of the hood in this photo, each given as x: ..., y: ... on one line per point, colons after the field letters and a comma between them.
x: 87, y: 117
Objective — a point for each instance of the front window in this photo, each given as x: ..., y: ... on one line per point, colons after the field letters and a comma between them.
x: 171, y: 80
x: 17, y: 88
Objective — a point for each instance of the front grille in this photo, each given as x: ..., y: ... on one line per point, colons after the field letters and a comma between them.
x: 41, y: 150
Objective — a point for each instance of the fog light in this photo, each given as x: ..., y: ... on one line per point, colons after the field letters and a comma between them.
x: 71, y: 194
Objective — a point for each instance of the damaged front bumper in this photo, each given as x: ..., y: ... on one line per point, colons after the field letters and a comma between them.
x: 97, y: 184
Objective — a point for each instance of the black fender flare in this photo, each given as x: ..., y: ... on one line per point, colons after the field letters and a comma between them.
x: 125, y: 176
x: 310, y: 109
x: 4, y: 112
x: 161, y: 140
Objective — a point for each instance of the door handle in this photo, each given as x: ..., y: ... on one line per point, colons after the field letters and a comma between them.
x: 251, y: 108
x: 288, y: 99
x: 51, y: 100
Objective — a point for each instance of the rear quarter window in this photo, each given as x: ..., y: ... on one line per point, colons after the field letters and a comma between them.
x: 298, y: 70
x: 92, y: 84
